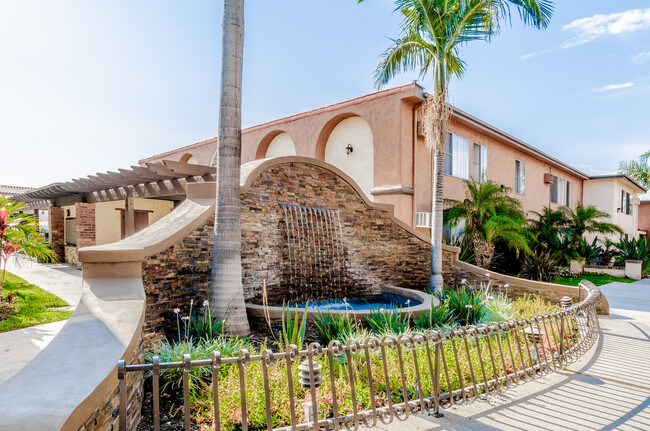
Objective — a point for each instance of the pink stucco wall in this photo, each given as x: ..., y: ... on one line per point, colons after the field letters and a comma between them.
x: 402, y: 162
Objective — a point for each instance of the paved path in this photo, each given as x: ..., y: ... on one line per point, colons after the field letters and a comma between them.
x: 608, y: 389
x: 19, y: 347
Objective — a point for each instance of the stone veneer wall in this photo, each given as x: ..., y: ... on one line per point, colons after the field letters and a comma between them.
x: 377, y: 250
x: 106, y: 415
x: 57, y: 233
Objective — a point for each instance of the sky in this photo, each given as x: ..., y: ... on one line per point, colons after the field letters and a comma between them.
x: 90, y: 86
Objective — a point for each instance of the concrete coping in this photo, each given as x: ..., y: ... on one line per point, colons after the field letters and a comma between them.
x: 275, y: 311
x: 560, y: 289
x: 64, y: 384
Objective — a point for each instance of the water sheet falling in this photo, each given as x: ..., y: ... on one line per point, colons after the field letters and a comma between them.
x: 315, y: 262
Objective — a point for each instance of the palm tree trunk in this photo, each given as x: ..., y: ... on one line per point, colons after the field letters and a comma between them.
x: 226, y: 291
x: 483, y: 251
x: 435, y: 121
x: 436, y: 229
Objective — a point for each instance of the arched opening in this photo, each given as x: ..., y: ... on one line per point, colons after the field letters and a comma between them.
x: 350, y: 148
x: 276, y: 144
x: 188, y: 158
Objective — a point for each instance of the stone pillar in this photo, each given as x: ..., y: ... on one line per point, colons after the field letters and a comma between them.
x: 129, y: 217
x: 85, y: 224
x: 57, y: 233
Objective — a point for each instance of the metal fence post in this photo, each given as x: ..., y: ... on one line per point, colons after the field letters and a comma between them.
x: 121, y: 376
x: 436, y: 381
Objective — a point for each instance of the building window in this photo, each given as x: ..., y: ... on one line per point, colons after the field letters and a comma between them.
x: 520, y: 177
x: 480, y: 163
x: 456, y: 157
x: 562, y: 192
x: 558, y: 191
x: 626, y: 202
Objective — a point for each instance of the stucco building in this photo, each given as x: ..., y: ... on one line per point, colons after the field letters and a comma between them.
x: 377, y: 139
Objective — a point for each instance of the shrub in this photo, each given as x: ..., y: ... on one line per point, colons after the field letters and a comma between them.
x: 393, y: 320
x: 532, y: 305
x: 498, y: 308
x: 331, y: 326
x: 197, y: 349
x: 631, y: 249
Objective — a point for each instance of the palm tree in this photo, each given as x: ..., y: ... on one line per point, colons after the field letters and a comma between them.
x: 585, y: 220
x: 489, y: 215
x: 639, y: 170
x: 226, y: 291
x: 549, y: 228
x: 432, y: 32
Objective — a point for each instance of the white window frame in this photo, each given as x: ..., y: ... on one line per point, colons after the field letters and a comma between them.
x: 520, y: 177
x: 479, y: 163
x: 451, y: 163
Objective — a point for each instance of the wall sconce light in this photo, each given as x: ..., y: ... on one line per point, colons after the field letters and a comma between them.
x: 618, y: 210
x: 348, y: 149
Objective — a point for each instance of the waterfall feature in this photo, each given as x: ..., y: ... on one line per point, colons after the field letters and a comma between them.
x: 315, y: 251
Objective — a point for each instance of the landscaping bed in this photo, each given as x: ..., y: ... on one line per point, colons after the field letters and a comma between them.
x: 468, y: 306
x: 30, y: 305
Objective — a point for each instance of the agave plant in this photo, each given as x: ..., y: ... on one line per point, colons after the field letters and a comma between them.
x: 436, y: 317
x: 330, y: 326
x: 293, y: 328
x: 392, y: 320
x: 540, y: 265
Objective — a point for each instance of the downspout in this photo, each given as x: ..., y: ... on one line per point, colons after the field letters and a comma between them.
x: 414, y: 139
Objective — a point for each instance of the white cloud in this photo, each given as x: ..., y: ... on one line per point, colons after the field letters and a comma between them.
x: 611, y: 87
x: 593, y: 27
x: 641, y: 57
x: 534, y: 54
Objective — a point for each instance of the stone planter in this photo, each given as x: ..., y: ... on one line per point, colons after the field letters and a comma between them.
x: 633, y: 269
x: 576, y: 266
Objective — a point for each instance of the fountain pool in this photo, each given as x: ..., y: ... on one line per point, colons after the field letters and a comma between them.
x: 384, y: 300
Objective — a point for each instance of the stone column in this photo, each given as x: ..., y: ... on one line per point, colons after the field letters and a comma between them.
x: 57, y: 233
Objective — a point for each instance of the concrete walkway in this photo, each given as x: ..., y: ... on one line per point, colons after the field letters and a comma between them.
x: 608, y: 389
x: 19, y: 347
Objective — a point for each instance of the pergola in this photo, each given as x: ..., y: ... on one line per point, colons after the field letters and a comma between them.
x: 167, y: 180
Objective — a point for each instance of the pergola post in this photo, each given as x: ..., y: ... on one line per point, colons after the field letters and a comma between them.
x: 57, y: 233
x: 129, y: 216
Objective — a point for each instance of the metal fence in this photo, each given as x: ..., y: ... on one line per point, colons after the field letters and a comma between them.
x: 381, y: 379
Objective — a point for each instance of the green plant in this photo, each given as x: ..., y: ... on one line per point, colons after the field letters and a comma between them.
x: 498, y: 308
x: 631, y: 249
x: 293, y: 328
x: 435, y: 317
x: 19, y: 235
x: 391, y: 320
x: 532, y: 305
x: 333, y: 326
x: 490, y: 214
x: 639, y: 170
x: 204, y: 324
x: 466, y: 304
x: 432, y: 33
x: 540, y: 265
x: 172, y: 378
